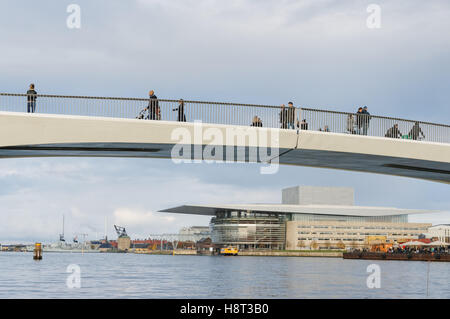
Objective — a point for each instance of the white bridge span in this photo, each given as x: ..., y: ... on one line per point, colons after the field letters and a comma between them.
x: 47, y: 135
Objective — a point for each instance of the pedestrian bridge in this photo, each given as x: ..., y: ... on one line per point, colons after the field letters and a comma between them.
x: 107, y: 127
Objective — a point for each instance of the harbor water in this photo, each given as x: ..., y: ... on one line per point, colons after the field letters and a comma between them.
x: 106, y: 275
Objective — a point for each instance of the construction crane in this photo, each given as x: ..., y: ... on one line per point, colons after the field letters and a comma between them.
x: 121, y: 232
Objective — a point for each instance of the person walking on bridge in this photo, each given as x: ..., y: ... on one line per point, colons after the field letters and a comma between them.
x: 153, y: 107
x: 291, y: 115
x: 180, y: 109
x: 31, y: 99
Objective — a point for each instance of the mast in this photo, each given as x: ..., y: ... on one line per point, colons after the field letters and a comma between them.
x: 61, y: 236
x: 106, y: 235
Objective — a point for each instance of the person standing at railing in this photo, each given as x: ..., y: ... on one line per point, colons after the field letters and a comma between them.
x: 180, y: 109
x: 351, y: 124
x: 365, y: 120
x: 416, y: 131
x: 291, y: 116
x: 31, y: 99
x: 359, y: 120
x: 153, y: 107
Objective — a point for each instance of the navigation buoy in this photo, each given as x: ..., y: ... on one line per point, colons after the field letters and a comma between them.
x: 37, y: 253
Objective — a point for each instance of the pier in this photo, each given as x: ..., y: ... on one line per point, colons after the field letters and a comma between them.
x: 397, y: 256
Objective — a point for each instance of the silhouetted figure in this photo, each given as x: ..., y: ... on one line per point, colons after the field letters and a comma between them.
x: 416, y: 131
x: 180, y: 109
x: 365, y: 120
x: 31, y: 99
x: 393, y: 132
x: 154, y: 112
x: 283, y: 116
x: 359, y: 120
x: 291, y: 115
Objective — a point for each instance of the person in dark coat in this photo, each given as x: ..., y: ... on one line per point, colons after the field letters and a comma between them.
x: 31, y: 99
x: 359, y: 120
x: 416, y: 131
x: 393, y: 132
x: 153, y: 107
x: 180, y: 109
x: 365, y: 120
x: 290, y: 115
x: 283, y: 116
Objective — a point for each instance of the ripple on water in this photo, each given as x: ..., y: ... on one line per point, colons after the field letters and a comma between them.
x: 162, y: 276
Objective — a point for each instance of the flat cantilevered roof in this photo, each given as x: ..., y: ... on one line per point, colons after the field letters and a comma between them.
x: 362, y: 211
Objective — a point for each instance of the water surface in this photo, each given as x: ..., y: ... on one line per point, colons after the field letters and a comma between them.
x: 162, y: 276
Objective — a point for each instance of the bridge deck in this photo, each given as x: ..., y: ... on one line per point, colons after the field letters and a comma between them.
x: 34, y: 135
x: 237, y: 114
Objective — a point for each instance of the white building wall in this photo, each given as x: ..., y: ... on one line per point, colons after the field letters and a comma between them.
x: 441, y: 232
x: 312, y: 195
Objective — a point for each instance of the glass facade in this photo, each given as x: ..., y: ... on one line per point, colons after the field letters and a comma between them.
x: 249, y: 230
x: 270, y: 230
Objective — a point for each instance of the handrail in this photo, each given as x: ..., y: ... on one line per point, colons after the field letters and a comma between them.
x: 376, y: 116
x: 138, y: 99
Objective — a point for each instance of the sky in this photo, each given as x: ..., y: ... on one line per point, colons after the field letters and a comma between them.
x: 317, y: 53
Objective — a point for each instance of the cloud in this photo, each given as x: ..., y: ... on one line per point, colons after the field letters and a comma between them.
x: 36, y: 193
x: 318, y: 53
x: 138, y: 218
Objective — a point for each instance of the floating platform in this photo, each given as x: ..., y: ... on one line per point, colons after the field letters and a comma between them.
x: 397, y: 256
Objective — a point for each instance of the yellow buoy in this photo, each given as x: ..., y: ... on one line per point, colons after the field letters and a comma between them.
x: 37, y: 253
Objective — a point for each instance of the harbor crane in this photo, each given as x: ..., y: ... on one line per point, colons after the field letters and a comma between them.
x: 121, y: 232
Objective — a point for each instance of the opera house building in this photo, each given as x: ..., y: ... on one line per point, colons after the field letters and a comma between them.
x: 308, y: 218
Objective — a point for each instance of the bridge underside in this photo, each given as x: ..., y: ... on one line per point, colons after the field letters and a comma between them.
x: 24, y: 135
x: 428, y: 170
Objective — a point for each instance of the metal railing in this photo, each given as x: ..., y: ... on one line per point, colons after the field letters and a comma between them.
x: 227, y: 113
x: 372, y: 125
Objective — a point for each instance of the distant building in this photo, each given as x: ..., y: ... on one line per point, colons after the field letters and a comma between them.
x: 440, y: 232
x: 194, y: 233
x: 105, y: 247
x: 205, y: 246
x: 13, y: 247
x: 308, y: 218
x: 123, y: 243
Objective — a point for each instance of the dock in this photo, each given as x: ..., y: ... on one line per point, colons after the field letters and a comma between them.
x: 397, y: 256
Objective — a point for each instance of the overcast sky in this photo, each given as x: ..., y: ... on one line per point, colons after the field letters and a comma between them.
x: 317, y: 53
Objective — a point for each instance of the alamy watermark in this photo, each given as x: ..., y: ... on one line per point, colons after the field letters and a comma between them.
x: 73, y: 21
x: 74, y: 279
x: 226, y: 144
x: 374, y: 279
x: 374, y: 19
